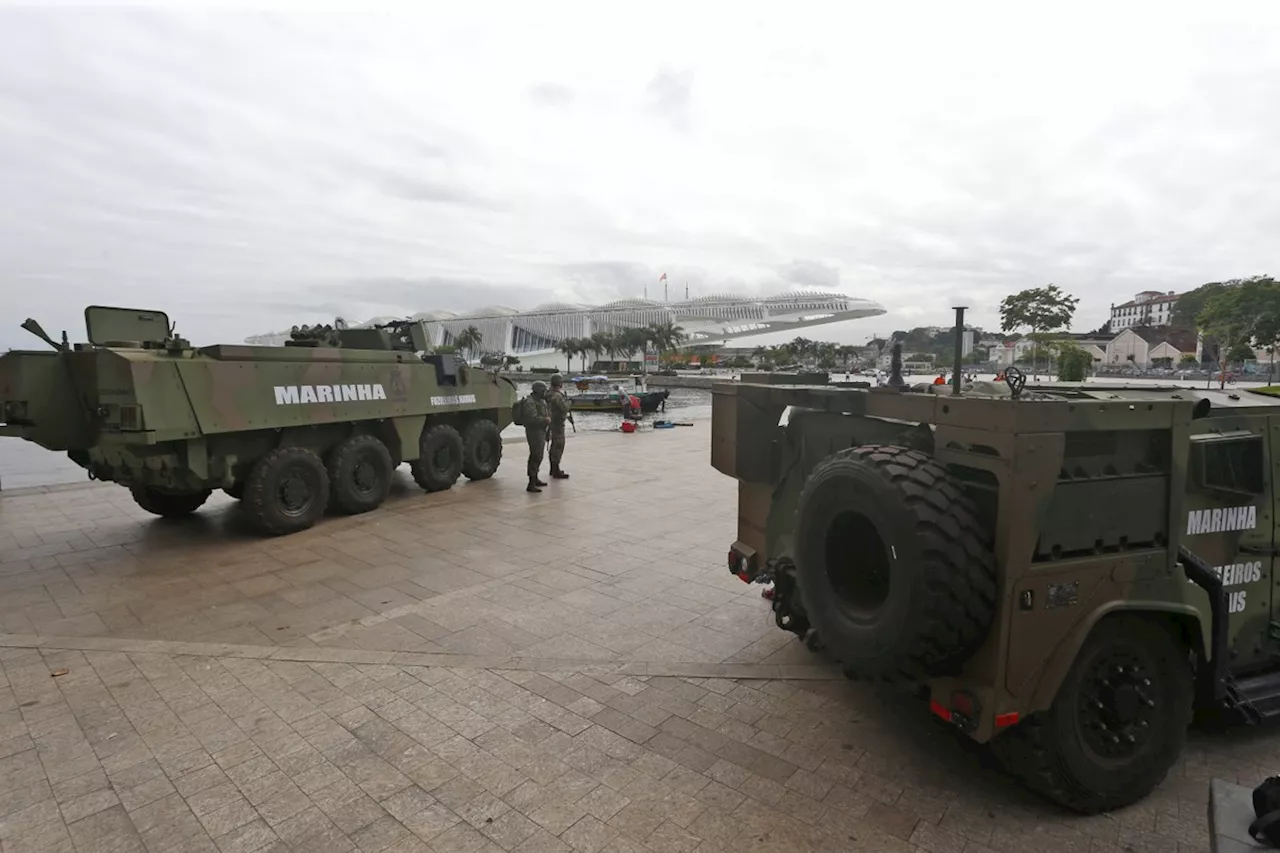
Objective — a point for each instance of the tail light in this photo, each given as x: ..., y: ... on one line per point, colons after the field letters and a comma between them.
x: 740, y: 565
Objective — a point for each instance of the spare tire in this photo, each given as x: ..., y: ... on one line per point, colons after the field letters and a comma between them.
x: 895, y: 571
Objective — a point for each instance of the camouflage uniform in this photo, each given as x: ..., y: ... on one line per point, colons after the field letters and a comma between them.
x: 537, y: 420
x: 559, y: 405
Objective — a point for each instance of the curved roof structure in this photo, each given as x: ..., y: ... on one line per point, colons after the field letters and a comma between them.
x: 706, y: 319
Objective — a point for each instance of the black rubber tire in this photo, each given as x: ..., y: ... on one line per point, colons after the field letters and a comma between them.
x: 481, y: 450
x: 168, y: 504
x: 262, y: 500
x: 236, y: 491
x: 439, y: 462
x: 926, y: 575
x: 1048, y: 751
x: 345, y: 462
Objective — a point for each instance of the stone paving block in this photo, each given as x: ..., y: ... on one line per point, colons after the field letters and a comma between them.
x: 427, y: 692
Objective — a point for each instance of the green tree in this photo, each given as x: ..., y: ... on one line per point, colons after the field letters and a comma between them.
x: 632, y: 340
x: 1240, y: 313
x: 584, y: 349
x: 666, y: 337
x: 1040, y: 309
x: 1188, y: 360
x: 1186, y: 311
x: 568, y: 347
x: 1239, y: 353
x: 469, y: 340
x: 1266, y: 331
x: 1073, y: 362
x: 599, y: 345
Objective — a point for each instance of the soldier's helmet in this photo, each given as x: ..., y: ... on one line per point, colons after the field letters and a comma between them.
x: 539, y: 388
x: 557, y: 380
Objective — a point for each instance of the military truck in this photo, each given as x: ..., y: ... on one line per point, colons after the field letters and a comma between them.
x: 1067, y: 572
x: 318, y: 424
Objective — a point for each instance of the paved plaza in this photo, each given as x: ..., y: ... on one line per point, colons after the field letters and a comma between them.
x: 476, y: 671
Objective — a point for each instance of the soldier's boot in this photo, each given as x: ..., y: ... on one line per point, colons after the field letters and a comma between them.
x: 557, y: 474
x: 540, y: 482
x: 533, y: 486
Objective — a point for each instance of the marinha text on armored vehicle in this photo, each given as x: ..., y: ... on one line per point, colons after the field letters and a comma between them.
x: 318, y: 424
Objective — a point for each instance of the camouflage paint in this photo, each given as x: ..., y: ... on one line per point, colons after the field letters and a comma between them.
x: 167, y: 414
x: 1060, y: 468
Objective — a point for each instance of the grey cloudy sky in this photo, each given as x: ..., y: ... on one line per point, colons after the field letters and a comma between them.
x: 246, y: 171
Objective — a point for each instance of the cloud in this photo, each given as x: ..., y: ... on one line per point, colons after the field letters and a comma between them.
x: 246, y: 171
x: 669, y: 95
x: 551, y: 95
x: 810, y: 273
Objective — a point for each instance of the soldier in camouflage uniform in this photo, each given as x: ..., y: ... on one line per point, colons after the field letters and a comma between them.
x: 559, y: 405
x: 537, y: 420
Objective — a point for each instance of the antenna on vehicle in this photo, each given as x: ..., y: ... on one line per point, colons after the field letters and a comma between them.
x: 959, y: 351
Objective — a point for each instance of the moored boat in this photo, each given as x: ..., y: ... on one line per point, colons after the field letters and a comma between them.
x: 602, y: 394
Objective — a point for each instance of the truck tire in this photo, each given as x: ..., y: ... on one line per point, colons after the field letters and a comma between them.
x: 359, y: 471
x: 1117, y: 725
x: 439, y: 461
x: 481, y: 450
x: 287, y: 490
x: 169, y: 504
x: 894, y: 568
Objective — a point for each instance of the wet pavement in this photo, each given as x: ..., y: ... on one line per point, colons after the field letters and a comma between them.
x: 478, y: 670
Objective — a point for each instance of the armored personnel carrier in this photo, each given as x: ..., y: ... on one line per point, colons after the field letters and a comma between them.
x: 1066, y: 571
x: 318, y: 424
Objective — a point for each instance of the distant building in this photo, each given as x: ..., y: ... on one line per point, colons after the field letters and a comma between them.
x: 1146, y: 346
x: 1010, y: 352
x: 708, y: 320
x: 1148, y: 308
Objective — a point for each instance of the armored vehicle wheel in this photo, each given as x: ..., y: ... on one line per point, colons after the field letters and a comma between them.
x: 359, y: 474
x: 1117, y: 725
x: 236, y: 491
x: 439, y: 461
x: 287, y: 490
x: 481, y: 450
x: 892, y: 563
x: 169, y: 504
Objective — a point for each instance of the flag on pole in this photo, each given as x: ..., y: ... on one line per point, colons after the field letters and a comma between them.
x: 662, y: 277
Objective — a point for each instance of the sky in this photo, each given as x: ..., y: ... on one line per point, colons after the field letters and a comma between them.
x: 245, y: 171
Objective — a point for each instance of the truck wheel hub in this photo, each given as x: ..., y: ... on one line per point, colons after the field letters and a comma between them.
x: 365, y: 477
x: 1116, y: 706
x: 295, y: 494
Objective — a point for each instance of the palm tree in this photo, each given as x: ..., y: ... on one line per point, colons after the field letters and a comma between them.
x: 633, y: 340
x: 568, y: 348
x: 601, y: 343
x: 802, y: 347
x: 667, y: 336
x: 615, y: 345
x: 584, y: 347
x: 469, y: 340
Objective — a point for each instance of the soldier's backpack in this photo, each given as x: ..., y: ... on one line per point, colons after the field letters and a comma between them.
x: 518, y: 411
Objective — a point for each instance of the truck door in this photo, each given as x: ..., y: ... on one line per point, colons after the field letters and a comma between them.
x: 1229, y: 510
